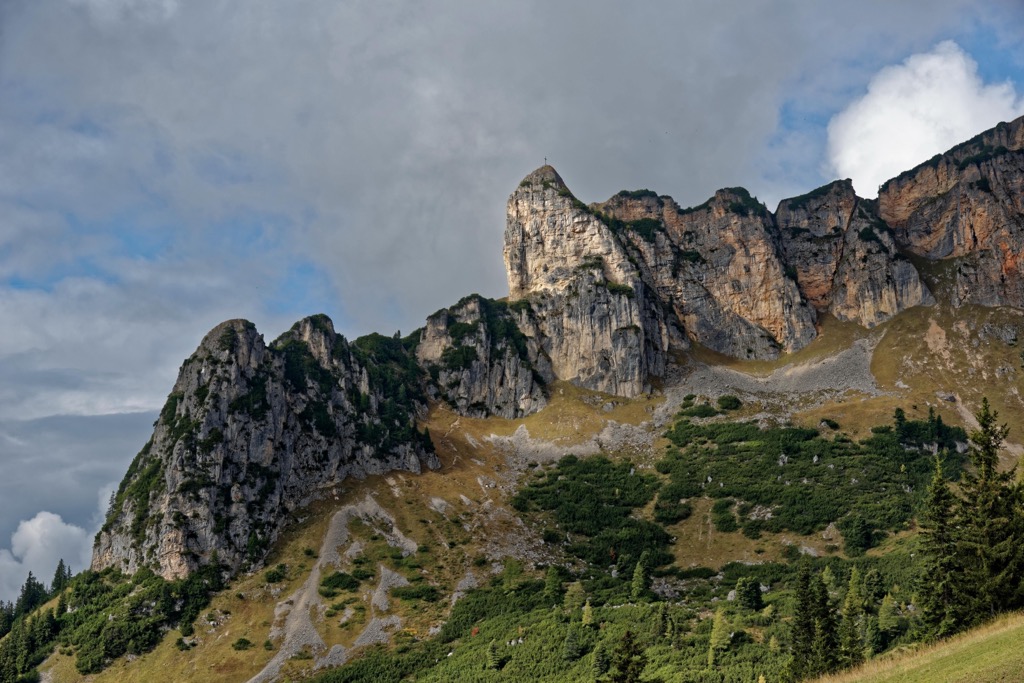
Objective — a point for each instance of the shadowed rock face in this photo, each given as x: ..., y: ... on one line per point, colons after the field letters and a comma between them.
x: 967, y: 205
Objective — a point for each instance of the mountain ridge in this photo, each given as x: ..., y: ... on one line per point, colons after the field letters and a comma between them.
x: 603, y: 296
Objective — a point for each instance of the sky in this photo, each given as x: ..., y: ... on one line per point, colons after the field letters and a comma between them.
x: 169, y: 164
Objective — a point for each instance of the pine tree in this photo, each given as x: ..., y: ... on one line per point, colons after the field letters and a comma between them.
x: 588, y: 614
x: 33, y: 594
x: 888, y: 619
x: 720, y: 636
x: 748, y: 594
x: 851, y: 644
x: 826, y: 640
x: 641, y: 581
x: 553, y: 586
x: 628, y: 661
x: 61, y: 577
x: 803, y: 629
x: 943, y: 596
x: 493, y: 656
x: 572, y: 646
x: 990, y: 517
x: 601, y: 661
x: 575, y: 596
x: 900, y: 422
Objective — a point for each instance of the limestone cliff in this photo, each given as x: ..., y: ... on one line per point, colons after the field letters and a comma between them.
x: 592, y: 316
x: 967, y: 205
x: 845, y: 258
x: 480, y: 361
x: 250, y: 433
x: 718, y: 267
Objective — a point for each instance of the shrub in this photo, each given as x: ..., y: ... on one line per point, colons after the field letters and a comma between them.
x: 242, y: 644
x: 729, y: 402
x: 421, y: 591
x: 338, y: 581
x: 277, y: 574
x: 700, y: 410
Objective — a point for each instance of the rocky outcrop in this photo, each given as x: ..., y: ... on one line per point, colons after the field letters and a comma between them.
x: 591, y: 315
x: 967, y: 205
x: 480, y: 361
x: 844, y: 256
x: 250, y: 433
x: 718, y: 267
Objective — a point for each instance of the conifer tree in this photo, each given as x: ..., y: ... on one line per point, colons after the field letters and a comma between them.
x: 989, y: 517
x: 601, y: 661
x: 575, y: 596
x: 851, y: 644
x: 942, y: 595
x: 888, y: 619
x: 641, y: 581
x: 572, y: 646
x: 61, y: 577
x: 826, y: 643
x: 748, y: 594
x: 719, y: 636
x: 588, y: 614
x: 553, y: 585
x: 803, y: 629
x: 493, y: 657
x: 628, y: 661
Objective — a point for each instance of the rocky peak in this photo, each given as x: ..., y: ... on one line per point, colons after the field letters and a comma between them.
x: 592, y: 315
x: 718, y: 267
x: 481, y: 362
x: 251, y: 433
x: 967, y: 204
x: 549, y: 233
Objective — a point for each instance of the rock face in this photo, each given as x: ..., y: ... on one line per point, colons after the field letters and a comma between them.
x: 718, y: 267
x: 845, y: 257
x: 967, y: 205
x: 590, y: 313
x: 250, y: 433
x: 480, y: 361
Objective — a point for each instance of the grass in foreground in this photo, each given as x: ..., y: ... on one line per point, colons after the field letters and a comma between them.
x: 987, y: 654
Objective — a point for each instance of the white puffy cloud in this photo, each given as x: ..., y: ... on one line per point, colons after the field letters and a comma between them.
x: 913, y: 111
x: 36, y: 546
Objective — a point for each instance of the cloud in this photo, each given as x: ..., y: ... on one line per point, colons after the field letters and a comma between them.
x: 39, y: 543
x: 111, y: 11
x: 36, y: 546
x: 913, y: 111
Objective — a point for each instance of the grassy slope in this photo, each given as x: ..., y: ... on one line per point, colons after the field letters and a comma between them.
x: 473, y: 481
x: 921, y: 356
x: 989, y: 654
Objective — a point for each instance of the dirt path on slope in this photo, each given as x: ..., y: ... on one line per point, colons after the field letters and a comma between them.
x: 298, y: 633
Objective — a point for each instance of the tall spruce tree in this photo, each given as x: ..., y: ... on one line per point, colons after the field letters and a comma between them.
x: 943, y: 596
x: 851, y: 641
x: 628, y: 661
x: 826, y: 642
x: 802, y: 629
x: 989, y: 520
x: 61, y: 577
